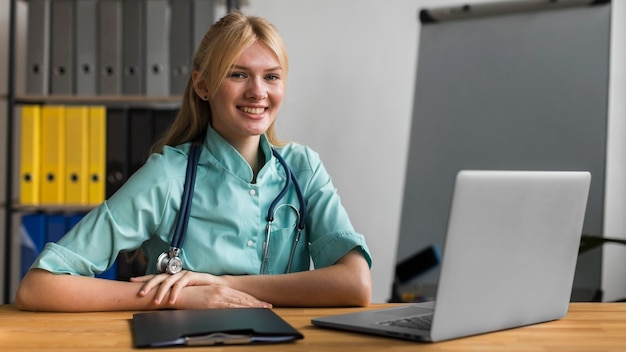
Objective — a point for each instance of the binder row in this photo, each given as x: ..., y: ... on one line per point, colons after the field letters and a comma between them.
x: 113, y: 47
x: 81, y: 155
x: 62, y: 155
x: 39, y: 229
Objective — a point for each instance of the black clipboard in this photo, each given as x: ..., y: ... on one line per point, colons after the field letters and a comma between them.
x: 206, y: 327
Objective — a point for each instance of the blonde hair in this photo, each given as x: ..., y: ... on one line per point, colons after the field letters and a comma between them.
x: 219, y: 49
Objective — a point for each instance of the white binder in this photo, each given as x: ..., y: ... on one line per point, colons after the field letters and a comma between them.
x: 62, y: 47
x: 181, y: 45
x: 157, y: 47
x: 203, y: 18
x: 38, y: 47
x: 86, y: 47
x: 133, y: 47
x: 109, y: 47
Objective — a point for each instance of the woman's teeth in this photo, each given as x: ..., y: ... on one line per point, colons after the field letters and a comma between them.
x: 252, y: 110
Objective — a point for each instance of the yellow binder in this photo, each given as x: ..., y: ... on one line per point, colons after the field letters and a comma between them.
x: 97, y: 154
x: 52, y: 154
x: 76, y: 154
x: 30, y: 160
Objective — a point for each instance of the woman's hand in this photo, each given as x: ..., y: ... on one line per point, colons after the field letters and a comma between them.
x: 214, y: 292
x: 173, y: 284
x: 216, y: 296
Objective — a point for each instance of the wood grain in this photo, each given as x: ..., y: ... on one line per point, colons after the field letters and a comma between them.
x: 587, y: 327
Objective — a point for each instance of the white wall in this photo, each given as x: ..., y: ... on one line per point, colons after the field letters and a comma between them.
x: 350, y: 95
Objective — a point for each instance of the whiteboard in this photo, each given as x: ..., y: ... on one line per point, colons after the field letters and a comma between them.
x: 510, y: 85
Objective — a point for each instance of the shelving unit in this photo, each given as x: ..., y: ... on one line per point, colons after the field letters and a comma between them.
x: 13, y: 100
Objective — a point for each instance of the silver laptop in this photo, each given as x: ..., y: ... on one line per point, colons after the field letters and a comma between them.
x: 509, y: 258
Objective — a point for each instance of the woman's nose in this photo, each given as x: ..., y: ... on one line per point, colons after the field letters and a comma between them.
x: 257, y: 88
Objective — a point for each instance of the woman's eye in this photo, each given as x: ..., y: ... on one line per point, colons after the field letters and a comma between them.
x: 237, y: 75
x: 272, y: 77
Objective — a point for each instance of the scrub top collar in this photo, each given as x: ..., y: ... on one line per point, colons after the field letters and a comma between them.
x: 226, y: 155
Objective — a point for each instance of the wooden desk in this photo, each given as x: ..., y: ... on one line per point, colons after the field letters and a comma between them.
x: 587, y: 327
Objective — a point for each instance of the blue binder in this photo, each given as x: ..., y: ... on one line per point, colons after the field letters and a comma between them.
x: 73, y: 220
x: 56, y: 227
x: 32, y: 239
x: 38, y: 229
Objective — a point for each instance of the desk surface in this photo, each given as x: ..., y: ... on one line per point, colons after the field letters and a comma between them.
x: 587, y: 327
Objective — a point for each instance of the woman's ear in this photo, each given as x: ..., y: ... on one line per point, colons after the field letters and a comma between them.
x: 200, y: 85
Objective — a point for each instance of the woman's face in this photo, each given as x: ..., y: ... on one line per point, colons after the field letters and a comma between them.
x: 248, y: 100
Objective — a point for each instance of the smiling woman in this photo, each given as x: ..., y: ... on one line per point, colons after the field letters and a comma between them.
x: 240, y: 246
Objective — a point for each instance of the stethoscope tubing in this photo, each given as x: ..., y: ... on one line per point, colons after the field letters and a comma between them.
x: 289, y: 179
x: 185, y: 206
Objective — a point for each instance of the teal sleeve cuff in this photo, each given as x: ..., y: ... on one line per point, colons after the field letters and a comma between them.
x: 327, y: 250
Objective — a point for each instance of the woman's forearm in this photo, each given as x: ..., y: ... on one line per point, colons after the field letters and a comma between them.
x: 41, y: 290
x: 347, y: 283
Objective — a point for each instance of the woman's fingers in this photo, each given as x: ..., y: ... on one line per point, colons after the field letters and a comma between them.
x: 149, y: 282
x: 216, y: 296
x: 226, y: 297
x: 167, y: 286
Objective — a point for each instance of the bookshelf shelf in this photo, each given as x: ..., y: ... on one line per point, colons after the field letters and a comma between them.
x: 64, y: 208
x: 133, y: 101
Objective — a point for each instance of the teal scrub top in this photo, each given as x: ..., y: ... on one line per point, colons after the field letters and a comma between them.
x: 227, y: 224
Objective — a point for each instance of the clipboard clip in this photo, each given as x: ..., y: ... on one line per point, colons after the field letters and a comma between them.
x: 218, y: 338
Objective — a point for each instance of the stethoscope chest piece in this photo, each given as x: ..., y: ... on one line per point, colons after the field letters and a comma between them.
x: 170, y: 263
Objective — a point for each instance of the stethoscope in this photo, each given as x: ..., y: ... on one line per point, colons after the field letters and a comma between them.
x: 170, y: 262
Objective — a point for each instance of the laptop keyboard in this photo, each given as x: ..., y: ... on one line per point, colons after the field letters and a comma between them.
x: 418, y: 322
